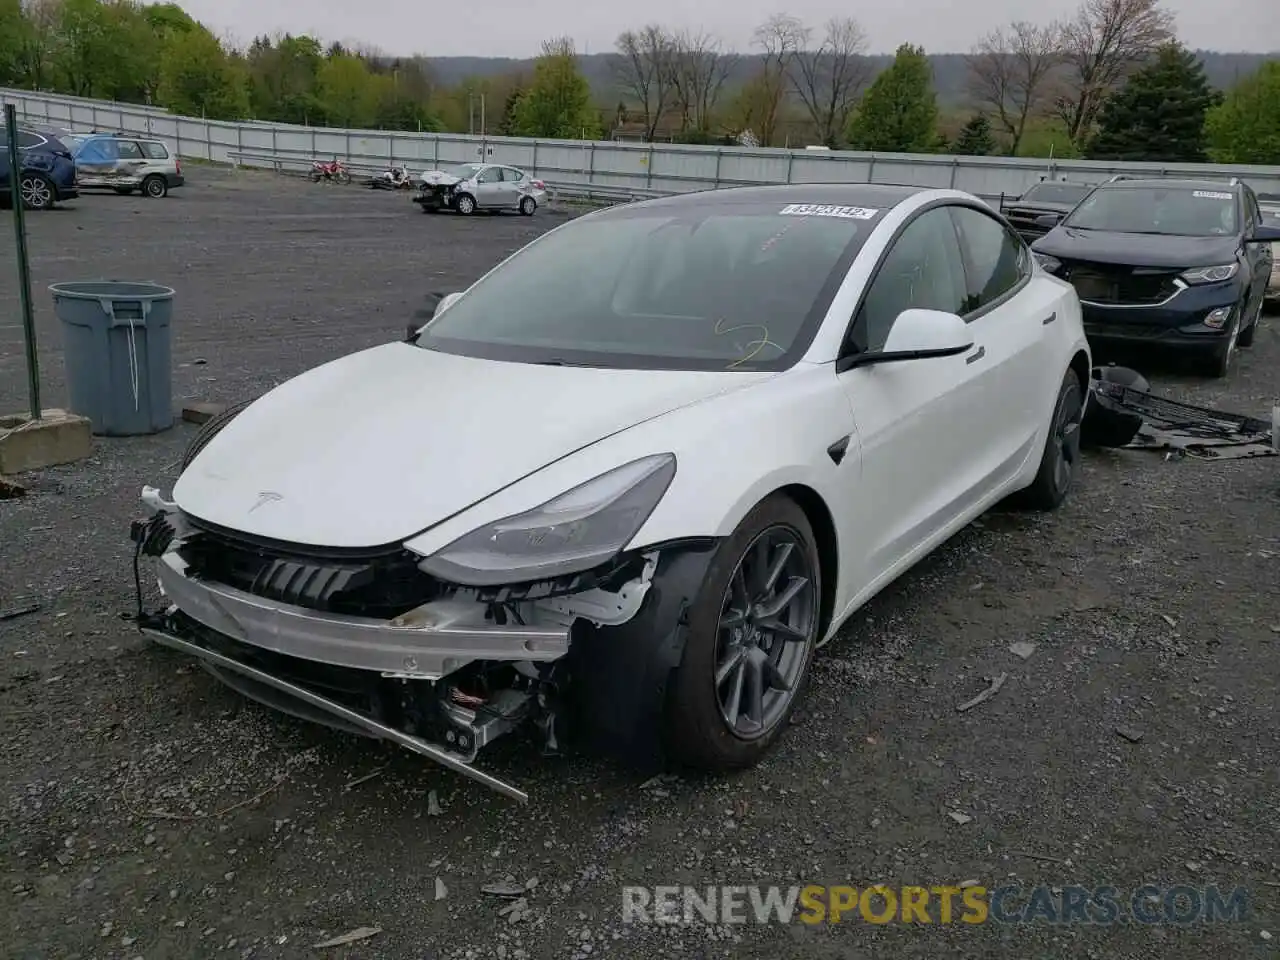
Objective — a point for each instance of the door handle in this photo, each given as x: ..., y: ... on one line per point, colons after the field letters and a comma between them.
x: 976, y: 355
x: 1049, y: 319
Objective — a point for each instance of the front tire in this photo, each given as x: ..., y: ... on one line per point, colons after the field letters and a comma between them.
x: 1246, y: 335
x: 465, y: 204
x: 752, y: 631
x: 1060, y: 461
x: 1223, y: 355
x: 38, y: 192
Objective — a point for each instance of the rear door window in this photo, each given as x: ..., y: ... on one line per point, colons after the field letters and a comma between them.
x: 129, y: 150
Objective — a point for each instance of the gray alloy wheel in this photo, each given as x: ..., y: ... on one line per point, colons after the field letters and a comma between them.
x: 466, y: 204
x: 768, y: 621
x: 37, y: 192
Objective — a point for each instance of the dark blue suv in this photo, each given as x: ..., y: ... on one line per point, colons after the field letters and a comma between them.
x: 48, y: 173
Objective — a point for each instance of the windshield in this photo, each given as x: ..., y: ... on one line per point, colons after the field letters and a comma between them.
x: 1057, y: 192
x: 713, y: 288
x: 463, y: 171
x: 1173, y: 211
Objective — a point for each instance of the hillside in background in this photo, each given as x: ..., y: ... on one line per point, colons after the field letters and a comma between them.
x: 949, y: 71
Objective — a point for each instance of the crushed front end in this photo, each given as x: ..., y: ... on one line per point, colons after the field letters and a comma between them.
x: 367, y: 642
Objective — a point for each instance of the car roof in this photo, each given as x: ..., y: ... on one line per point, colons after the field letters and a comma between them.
x: 1176, y: 183
x: 878, y: 195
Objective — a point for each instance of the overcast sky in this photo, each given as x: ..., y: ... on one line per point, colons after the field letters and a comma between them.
x: 516, y: 28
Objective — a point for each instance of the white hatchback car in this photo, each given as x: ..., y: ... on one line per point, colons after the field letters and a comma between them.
x: 688, y: 439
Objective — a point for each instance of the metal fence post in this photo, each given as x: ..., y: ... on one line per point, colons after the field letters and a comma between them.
x: 716, y: 175
x: 791, y: 159
x: 24, y: 265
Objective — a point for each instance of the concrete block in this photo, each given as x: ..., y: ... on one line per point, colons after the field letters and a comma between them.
x: 201, y: 412
x: 57, y: 437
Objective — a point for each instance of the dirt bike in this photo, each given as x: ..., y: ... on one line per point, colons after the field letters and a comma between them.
x: 332, y: 170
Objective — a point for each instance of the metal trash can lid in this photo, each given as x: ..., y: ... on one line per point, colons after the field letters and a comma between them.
x: 111, y: 290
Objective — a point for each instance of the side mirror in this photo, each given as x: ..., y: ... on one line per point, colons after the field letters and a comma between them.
x: 436, y: 303
x: 1048, y: 220
x: 916, y: 335
x: 1263, y: 233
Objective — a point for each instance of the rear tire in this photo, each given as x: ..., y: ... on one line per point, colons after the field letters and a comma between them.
x: 1060, y: 461
x: 528, y: 205
x: 720, y: 658
x: 210, y: 429
x: 155, y: 187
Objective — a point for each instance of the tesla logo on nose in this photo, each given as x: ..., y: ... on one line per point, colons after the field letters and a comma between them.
x: 265, y: 497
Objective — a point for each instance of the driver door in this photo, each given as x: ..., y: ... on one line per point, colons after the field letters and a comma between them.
x: 920, y: 422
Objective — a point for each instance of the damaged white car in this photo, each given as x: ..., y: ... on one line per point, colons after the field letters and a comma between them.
x: 619, y: 491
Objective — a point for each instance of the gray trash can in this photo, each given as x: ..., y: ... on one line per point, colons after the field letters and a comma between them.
x: 117, y: 350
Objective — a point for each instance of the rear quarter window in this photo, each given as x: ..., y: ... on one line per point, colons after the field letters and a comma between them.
x: 154, y: 151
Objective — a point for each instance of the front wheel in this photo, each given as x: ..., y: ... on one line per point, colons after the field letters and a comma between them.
x: 1223, y: 355
x: 342, y: 177
x: 1246, y: 335
x: 751, y: 634
x: 37, y: 192
x: 465, y: 204
x: 1060, y: 461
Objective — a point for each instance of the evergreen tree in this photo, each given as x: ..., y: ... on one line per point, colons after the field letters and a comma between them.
x: 899, y: 113
x: 975, y: 139
x: 1159, y: 114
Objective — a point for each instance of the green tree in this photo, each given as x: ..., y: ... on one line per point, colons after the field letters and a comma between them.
x: 1245, y: 126
x: 197, y: 79
x: 975, y: 139
x: 13, y: 41
x: 284, y: 79
x: 347, y: 91
x: 899, y: 113
x: 1159, y: 114
x: 557, y: 102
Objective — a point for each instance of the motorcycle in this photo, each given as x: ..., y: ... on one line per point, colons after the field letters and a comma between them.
x: 332, y: 170
x: 396, y: 178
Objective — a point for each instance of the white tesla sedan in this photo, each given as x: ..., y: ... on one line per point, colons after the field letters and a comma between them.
x: 619, y: 490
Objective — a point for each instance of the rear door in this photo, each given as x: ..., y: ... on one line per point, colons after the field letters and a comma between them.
x: 1009, y: 311
x: 133, y: 162
x: 921, y: 423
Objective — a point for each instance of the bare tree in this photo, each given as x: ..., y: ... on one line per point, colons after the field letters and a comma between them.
x: 1010, y: 71
x: 1101, y: 46
x: 698, y: 75
x: 42, y: 40
x: 830, y: 78
x: 645, y: 64
x: 779, y: 38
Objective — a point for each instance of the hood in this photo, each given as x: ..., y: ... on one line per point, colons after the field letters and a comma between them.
x: 382, y: 444
x: 438, y: 178
x: 1136, y: 249
x: 1037, y: 206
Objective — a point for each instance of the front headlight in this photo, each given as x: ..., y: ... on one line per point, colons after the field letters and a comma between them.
x: 1210, y: 274
x: 1050, y: 264
x: 576, y: 531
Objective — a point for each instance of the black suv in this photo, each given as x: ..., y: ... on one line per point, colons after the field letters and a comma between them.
x: 1165, y: 261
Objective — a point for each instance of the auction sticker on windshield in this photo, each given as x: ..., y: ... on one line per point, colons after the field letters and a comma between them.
x: 1211, y: 195
x: 828, y: 210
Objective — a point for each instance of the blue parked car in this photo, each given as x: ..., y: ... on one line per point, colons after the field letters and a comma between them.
x: 48, y: 173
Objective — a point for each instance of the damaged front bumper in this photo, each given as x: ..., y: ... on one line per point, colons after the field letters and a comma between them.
x: 443, y: 678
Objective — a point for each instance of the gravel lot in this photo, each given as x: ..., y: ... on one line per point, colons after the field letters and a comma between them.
x: 150, y: 813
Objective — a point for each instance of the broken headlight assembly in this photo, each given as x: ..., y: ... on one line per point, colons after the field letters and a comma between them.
x: 576, y: 531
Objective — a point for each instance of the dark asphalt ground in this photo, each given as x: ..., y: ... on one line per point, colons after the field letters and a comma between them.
x: 148, y: 812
